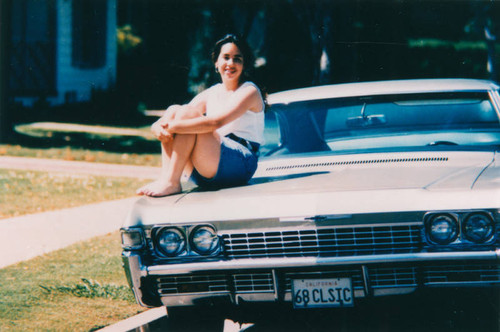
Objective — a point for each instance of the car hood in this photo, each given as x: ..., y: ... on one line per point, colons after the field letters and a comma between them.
x: 347, y: 184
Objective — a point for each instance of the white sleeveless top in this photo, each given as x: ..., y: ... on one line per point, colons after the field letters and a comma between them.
x: 249, y: 126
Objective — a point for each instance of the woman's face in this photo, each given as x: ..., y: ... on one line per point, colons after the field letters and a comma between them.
x: 229, y: 63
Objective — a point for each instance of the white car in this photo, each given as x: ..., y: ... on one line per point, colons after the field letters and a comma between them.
x: 364, y: 190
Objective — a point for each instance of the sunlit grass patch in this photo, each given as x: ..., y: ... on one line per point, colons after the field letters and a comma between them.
x: 88, y: 136
x: 49, y: 129
x: 76, y: 154
x: 79, y: 288
x: 92, y: 289
x: 25, y: 192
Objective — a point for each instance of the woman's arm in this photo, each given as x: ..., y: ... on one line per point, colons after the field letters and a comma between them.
x: 247, y: 98
x: 195, y: 108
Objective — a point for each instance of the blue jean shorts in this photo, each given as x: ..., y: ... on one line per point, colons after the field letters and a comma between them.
x: 237, y: 165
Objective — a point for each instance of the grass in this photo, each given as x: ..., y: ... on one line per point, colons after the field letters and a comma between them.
x: 77, y: 154
x: 79, y: 288
x: 88, y: 136
x: 25, y: 192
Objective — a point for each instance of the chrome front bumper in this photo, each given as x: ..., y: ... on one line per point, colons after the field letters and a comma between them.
x: 278, y: 268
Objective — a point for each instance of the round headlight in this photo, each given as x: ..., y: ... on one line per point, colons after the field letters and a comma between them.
x: 443, y: 229
x: 204, y: 240
x: 171, y: 241
x: 478, y: 227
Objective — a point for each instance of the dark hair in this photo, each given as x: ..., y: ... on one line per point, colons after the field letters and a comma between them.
x: 246, y: 52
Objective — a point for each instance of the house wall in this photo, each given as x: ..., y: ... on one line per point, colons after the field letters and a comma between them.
x: 76, y: 84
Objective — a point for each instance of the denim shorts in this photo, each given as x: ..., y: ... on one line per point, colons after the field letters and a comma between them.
x: 237, y: 165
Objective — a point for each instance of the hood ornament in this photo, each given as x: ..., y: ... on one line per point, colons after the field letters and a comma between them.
x: 316, y: 218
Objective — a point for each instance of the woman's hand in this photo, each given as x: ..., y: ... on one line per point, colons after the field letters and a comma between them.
x: 159, y: 129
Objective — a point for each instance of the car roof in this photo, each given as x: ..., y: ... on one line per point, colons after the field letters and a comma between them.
x: 380, y: 88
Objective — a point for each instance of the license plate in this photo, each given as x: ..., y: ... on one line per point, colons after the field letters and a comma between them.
x: 321, y: 293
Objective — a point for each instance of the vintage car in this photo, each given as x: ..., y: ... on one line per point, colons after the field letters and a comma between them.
x: 363, y: 190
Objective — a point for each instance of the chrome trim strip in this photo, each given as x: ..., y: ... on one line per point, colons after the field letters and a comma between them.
x: 188, y: 300
x: 310, y: 225
x: 366, y: 280
x: 134, y: 270
x: 272, y: 263
x: 191, y: 299
x: 275, y: 284
x: 313, y: 219
x: 393, y: 291
x: 255, y: 297
x: 495, y: 98
x: 460, y: 283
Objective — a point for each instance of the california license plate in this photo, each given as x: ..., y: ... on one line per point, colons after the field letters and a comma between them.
x: 321, y: 293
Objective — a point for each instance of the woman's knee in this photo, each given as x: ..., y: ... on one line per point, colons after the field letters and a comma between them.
x: 188, y: 112
x: 172, y: 111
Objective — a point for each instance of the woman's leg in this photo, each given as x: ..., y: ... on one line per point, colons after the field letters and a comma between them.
x: 202, y: 150
x: 169, y: 182
x: 184, y: 151
x: 166, y: 150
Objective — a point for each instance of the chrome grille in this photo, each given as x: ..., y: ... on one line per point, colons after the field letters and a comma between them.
x: 324, y: 242
x: 379, y: 278
x: 255, y: 282
x: 393, y: 277
x: 181, y: 284
x: 480, y: 273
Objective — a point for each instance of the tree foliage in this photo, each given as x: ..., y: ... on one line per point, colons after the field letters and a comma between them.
x: 306, y: 42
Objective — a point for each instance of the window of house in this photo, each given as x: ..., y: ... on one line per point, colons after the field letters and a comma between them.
x: 89, y: 33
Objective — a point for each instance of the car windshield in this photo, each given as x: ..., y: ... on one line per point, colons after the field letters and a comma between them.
x: 388, y: 121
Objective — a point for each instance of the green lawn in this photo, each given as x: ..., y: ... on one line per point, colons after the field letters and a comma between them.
x: 25, y: 192
x: 68, y: 153
x: 79, y: 288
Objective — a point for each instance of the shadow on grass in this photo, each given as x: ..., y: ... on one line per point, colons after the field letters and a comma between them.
x: 86, y: 140
x: 107, y: 109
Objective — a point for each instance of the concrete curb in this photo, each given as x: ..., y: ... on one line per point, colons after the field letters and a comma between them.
x: 137, y: 321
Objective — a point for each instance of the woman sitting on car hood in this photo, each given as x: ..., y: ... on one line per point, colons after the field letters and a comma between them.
x: 218, y: 134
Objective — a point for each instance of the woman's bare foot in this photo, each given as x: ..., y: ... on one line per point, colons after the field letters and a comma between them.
x: 159, y: 189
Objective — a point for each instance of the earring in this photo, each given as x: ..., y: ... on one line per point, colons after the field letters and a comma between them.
x: 216, y: 70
